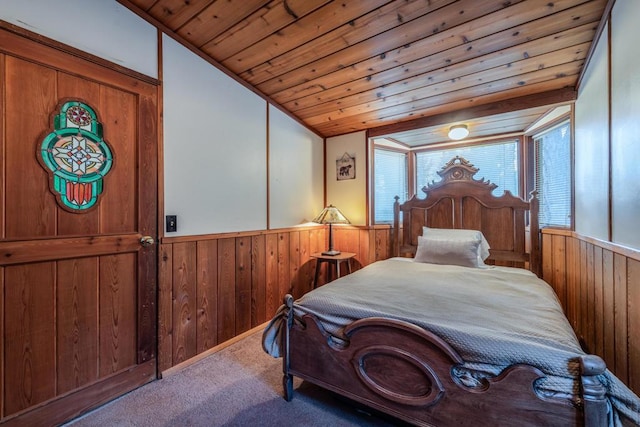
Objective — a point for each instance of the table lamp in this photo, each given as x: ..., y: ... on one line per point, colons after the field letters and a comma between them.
x: 331, y: 215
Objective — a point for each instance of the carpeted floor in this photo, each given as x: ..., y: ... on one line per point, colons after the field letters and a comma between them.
x: 238, y: 386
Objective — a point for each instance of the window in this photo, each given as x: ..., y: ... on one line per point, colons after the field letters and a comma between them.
x: 390, y: 180
x: 498, y: 163
x: 553, y: 175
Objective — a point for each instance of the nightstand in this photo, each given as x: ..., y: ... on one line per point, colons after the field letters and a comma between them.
x: 336, y: 260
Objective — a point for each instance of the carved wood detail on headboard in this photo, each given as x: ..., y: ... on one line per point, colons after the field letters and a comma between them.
x: 459, y: 200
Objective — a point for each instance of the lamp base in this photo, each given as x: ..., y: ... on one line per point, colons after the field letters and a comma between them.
x: 331, y: 253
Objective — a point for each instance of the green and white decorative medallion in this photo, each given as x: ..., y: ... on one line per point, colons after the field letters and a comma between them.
x: 76, y: 156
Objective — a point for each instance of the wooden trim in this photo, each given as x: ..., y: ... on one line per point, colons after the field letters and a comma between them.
x: 79, y: 401
x: 606, y: 16
x: 268, y: 143
x: 23, y: 251
x: 609, y: 133
x: 367, y: 182
x: 160, y: 130
x: 611, y: 246
x: 64, y: 59
x: 40, y: 39
x: 468, y: 142
x: 324, y: 171
x: 559, y: 96
x: 553, y: 123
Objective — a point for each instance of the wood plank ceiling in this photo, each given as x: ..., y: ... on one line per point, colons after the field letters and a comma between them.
x: 392, y: 66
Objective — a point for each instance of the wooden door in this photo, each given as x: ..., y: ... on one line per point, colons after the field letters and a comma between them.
x: 77, y: 307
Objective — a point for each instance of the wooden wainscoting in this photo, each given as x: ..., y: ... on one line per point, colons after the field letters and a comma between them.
x: 213, y: 288
x: 598, y: 284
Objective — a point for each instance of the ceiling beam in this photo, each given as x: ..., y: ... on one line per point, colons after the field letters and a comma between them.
x: 550, y: 98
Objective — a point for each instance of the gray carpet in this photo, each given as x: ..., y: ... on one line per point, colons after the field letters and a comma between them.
x: 238, y: 386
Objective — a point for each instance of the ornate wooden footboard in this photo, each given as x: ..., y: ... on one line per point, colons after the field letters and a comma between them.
x: 405, y: 371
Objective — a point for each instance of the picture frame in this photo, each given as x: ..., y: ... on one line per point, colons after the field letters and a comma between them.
x: 346, y: 167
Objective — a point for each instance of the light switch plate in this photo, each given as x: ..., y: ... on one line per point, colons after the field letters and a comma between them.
x: 172, y: 223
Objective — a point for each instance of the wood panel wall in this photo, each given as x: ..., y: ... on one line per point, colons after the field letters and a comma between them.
x: 598, y: 284
x: 214, y: 288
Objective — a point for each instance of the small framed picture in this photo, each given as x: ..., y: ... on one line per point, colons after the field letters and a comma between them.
x: 345, y: 167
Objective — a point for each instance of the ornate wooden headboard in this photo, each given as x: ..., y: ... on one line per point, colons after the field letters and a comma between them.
x: 459, y: 200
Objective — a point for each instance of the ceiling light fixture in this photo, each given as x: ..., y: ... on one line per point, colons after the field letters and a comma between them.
x: 458, y: 132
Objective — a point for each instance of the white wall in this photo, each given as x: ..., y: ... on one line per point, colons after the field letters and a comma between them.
x: 101, y: 27
x: 593, y: 138
x: 350, y: 196
x: 592, y: 147
x: 625, y: 123
x: 295, y: 171
x: 215, y: 159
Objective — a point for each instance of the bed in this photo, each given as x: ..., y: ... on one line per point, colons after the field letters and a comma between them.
x: 480, y: 341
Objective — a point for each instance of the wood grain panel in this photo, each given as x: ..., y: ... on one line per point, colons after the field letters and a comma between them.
x: 547, y: 254
x: 598, y: 301
x: 118, y: 309
x: 294, y: 264
x: 207, y: 295
x: 243, y: 285
x: 30, y: 92
x: 119, y: 215
x: 165, y: 307
x: 305, y: 278
x: 259, y: 310
x: 559, y: 268
x: 271, y: 272
x: 608, y: 305
x: 603, y: 300
x: 324, y: 20
x: 222, y: 16
x: 573, y: 281
x: 633, y: 305
x: 366, y: 252
x: 29, y: 335
x: 589, y: 331
x: 175, y: 12
x: 621, y: 367
x: 226, y: 289
x: 76, y: 323
x: 318, y: 241
x: 3, y: 143
x: 284, y: 285
x: 244, y: 276
x: 185, y: 301
x: 273, y: 17
x: 584, y: 292
x: 2, y: 314
x: 383, y: 244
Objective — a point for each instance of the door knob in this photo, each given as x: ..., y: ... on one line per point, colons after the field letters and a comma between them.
x: 147, y: 241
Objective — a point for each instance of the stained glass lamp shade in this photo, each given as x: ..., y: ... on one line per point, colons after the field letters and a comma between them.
x: 331, y: 215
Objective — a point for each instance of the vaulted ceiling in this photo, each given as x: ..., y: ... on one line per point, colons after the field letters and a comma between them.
x: 393, y: 66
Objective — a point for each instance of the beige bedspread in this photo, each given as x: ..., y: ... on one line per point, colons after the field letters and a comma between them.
x: 492, y: 317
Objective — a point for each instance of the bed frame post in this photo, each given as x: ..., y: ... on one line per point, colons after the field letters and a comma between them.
x: 396, y: 228
x: 593, y: 391
x: 534, y: 234
x: 287, y: 378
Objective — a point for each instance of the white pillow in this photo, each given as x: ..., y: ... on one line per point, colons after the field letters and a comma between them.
x: 458, y: 251
x: 457, y: 233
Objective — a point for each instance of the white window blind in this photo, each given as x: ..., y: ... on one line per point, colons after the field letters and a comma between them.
x: 498, y: 163
x: 553, y: 176
x: 390, y: 168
